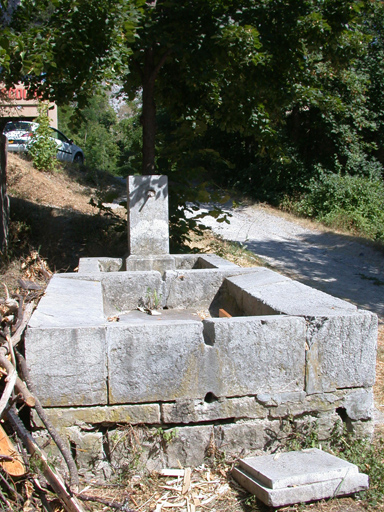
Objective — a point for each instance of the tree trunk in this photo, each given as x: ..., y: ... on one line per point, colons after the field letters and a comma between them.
x: 149, y: 113
x: 4, y: 200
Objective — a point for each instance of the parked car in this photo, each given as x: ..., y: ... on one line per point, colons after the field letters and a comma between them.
x: 19, y: 134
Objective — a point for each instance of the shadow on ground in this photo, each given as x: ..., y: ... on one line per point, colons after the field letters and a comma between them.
x: 63, y: 236
x: 333, y: 263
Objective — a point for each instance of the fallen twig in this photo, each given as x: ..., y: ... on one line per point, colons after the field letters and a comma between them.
x: 69, y: 501
x: 97, y: 499
x: 73, y: 474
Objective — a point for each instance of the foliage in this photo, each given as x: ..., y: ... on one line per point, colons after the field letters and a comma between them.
x: 367, y: 455
x: 261, y: 96
x: 42, y: 147
x: 62, y: 49
x: 94, y: 131
x: 111, y: 141
x: 353, y: 203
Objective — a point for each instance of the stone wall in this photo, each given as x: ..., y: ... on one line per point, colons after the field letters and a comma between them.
x: 170, y: 389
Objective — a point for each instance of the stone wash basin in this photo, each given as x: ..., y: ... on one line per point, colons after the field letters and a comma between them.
x: 288, y: 350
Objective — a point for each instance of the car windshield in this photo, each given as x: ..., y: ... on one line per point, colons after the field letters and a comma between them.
x: 13, y: 126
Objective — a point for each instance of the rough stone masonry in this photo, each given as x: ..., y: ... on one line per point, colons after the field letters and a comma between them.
x: 187, y: 382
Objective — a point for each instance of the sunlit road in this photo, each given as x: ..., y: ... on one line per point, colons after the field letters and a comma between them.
x: 333, y: 263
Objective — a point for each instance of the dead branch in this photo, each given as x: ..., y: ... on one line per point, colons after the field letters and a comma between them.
x: 16, y: 337
x: 73, y: 474
x: 70, y: 503
x: 110, y: 504
x: 10, y: 382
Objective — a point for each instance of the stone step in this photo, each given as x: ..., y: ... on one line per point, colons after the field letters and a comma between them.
x: 296, y: 477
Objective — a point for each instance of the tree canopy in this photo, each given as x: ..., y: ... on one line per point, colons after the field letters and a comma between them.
x: 278, y: 88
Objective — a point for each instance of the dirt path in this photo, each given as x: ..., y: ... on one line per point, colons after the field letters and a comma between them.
x: 334, y: 263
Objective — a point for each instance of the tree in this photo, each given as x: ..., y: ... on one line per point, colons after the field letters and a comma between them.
x: 93, y: 130
x: 42, y: 147
x: 251, y: 70
x: 60, y: 49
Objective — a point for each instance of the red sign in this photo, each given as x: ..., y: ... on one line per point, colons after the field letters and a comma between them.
x: 17, y: 93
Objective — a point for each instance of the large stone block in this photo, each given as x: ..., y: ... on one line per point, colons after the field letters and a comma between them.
x: 358, y: 404
x: 189, y: 447
x: 255, y: 437
x: 87, y: 448
x: 214, y: 261
x: 123, y: 291
x: 148, y: 231
x: 341, y: 352
x: 109, y: 415
x: 269, y: 293
x: 296, y: 477
x: 69, y: 302
x: 250, y: 355
x: 199, y: 288
x: 212, y: 409
x: 68, y: 366
x: 155, y: 361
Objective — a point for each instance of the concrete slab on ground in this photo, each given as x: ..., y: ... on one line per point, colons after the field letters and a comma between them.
x: 301, y: 476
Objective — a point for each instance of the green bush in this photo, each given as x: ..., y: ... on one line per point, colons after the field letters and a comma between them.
x: 351, y: 203
x: 43, y: 148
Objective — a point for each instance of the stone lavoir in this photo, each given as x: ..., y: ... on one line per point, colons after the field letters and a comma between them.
x: 160, y: 359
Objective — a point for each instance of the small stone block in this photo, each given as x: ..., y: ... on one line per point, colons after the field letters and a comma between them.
x: 301, y: 476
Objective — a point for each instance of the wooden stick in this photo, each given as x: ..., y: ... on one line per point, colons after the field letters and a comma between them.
x: 70, y: 503
x: 16, y: 337
x: 74, y: 476
x: 10, y: 382
x: 96, y: 499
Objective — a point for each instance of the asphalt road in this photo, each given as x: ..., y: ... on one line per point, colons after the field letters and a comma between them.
x: 333, y: 263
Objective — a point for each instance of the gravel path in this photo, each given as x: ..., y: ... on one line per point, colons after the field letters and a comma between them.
x: 330, y: 262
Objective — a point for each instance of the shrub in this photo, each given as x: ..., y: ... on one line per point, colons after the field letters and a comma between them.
x: 351, y: 203
x: 43, y: 148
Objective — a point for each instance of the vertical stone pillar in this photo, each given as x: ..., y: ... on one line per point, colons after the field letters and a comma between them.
x: 148, y: 228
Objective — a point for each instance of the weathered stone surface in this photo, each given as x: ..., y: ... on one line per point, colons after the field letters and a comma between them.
x: 296, y: 477
x: 302, y: 494
x: 362, y: 429
x: 88, y: 447
x: 148, y: 231
x: 139, y: 449
x: 253, y: 355
x: 276, y: 399
x: 155, y: 362
x: 189, y: 446
x: 268, y: 292
x: 214, y: 261
x: 195, y: 411
x: 144, y: 263
x: 342, y: 352
x: 69, y: 302
x: 91, y: 265
x: 185, y: 261
x: 198, y: 287
x: 117, y: 414
x: 359, y: 404
x: 123, y: 290
x: 68, y: 365
x: 255, y: 437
